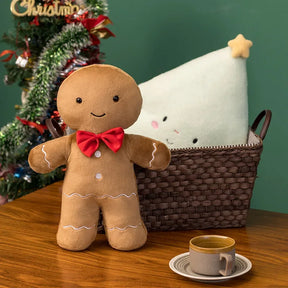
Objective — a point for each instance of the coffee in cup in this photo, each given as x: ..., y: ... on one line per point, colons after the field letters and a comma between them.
x: 212, y: 255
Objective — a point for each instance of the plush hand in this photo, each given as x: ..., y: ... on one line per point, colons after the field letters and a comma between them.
x: 46, y: 157
x: 154, y: 155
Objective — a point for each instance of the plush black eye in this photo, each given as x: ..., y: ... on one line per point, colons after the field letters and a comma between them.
x: 195, y: 140
x: 165, y: 118
x: 78, y: 100
x: 116, y: 98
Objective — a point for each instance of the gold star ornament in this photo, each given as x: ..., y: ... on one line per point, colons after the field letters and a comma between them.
x: 240, y: 46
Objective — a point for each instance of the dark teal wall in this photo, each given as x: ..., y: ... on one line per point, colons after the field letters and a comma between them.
x: 9, y: 95
x: 155, y: 36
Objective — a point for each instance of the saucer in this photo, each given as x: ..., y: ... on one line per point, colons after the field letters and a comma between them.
x: 180, y: 265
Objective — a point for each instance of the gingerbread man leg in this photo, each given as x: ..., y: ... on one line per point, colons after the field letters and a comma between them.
x: 124, y: 227
x: 79, y: 218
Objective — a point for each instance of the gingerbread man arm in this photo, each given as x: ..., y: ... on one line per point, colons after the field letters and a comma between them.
x: 147, y: 152
x: 46, y: 157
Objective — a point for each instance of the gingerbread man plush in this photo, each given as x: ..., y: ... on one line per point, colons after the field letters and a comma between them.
x: 99, y: 101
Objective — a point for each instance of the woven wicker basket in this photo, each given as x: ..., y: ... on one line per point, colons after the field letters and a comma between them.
x: 202, y: 187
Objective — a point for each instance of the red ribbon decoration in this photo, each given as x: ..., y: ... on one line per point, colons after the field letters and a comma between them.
x: 88, y: 142
x: 35, y: 21
x: 95, y: 26
x: 39, y: 127
x: 11, y: 53
x: 96, y: 29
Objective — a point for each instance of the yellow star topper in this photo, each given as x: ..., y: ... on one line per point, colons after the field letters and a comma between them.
x: 240, y: 46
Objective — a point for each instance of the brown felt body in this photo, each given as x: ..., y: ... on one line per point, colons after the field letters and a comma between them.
x: 104, y: 181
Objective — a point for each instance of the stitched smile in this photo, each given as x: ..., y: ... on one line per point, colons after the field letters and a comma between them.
x: 97, y: 115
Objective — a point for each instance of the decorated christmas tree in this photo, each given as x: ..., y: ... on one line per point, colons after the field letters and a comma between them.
x: 52, y: 39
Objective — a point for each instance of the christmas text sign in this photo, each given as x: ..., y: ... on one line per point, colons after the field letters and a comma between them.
x: 28, y: 8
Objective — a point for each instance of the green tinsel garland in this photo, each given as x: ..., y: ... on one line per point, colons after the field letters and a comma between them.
x: 56, y: 54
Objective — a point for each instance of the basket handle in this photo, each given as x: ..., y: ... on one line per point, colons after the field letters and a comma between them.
x: 54, y: 128
x: 268, y: 115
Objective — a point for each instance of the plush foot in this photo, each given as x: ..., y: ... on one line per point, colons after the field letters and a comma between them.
x: 128, y: 237
x: 76, y: 238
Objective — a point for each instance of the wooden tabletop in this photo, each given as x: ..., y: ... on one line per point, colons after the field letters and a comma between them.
x: 30, y: 257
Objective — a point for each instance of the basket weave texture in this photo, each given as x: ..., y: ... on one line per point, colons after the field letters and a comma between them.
x: 202, y: 188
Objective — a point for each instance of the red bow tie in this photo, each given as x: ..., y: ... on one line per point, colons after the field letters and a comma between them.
x: 89, y: 142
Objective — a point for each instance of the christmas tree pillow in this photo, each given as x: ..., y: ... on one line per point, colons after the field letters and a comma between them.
x: 201, y: 103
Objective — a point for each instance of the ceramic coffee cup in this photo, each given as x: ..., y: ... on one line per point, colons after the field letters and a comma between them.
x: 212, y: 255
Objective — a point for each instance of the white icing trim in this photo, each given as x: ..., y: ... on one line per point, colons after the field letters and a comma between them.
x: 79, y: 228
x: 79, y: 195
x: 100, y: 197
x: 125, y: 228
x: 117, y: 196
x: 153, y: 154
x: 45, y: 157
